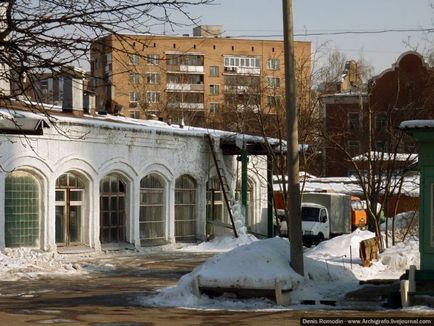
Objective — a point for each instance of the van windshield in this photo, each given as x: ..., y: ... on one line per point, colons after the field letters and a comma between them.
x: 310, y: 214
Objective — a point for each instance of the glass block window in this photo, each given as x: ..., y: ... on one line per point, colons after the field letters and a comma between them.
x: 185, y: 209
x: 152, y: 222
x: 112, y: 209
x: 22, y: 212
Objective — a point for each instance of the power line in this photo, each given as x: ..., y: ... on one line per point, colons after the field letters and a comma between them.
x: 380, y: 31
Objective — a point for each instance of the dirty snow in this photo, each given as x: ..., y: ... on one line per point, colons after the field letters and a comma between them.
x: 332, y: 269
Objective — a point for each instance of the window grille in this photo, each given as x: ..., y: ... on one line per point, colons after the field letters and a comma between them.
x: 185, y: 209
x: 152, y: 220
x: 112, y: 209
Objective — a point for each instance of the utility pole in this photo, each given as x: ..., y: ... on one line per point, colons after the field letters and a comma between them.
x: 294, y: 219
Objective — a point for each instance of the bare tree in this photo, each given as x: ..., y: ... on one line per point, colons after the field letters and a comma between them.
x: 46, y: 36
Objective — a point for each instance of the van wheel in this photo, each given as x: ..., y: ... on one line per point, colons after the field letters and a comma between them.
x: 319, y: 238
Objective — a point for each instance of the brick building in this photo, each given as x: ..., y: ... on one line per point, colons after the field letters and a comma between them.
x: 196, y: 78
x: 358, y: 121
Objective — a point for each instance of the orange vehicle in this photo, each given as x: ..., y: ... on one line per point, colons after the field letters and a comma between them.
x: 359, y: 217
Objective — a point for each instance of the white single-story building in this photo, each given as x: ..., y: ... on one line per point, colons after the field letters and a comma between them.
x: 92, y: 181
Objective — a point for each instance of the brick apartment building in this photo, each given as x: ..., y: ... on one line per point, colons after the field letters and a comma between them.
x: 358, y: 121
x: 196, y: 78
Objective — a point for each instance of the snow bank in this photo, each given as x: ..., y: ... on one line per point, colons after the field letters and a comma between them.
x: 20, y: 263
x: 332, y: 269
x: 260, y: 265
x: 221, y: 244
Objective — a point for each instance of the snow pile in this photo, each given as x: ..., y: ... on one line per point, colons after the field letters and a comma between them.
x: 398, y: 258
x: 260, y: 265
x: 337, y: 258
x: 332, y: 269
x: 27, y: 263
x: 221, y: 244
x: 406, y: 226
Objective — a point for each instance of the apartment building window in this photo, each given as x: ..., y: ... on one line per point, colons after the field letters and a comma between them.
x: 213, y: 71
x: 135, y: 114
x: 380, y: 121
x: 153, y: 78
x: 353, y: 147
x: 134, y: 78
x: 241, y: 62
x: 273, y: 64
x: 134, y: 97
x: 133, y: 59
x: 214, y: 89
x: 381, y: 145
x: 153, y: 59
x: 273, y: 100
x: 153, y: 97
x: 273, y: 82
x: 214, y: 107
x: 354, y: 121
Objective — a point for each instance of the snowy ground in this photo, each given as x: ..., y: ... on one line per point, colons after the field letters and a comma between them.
x: 332, y: 269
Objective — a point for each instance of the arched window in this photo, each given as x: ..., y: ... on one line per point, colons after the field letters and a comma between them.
x: 69, y: 209
x: 112, y: 209
x: 22, y: 212
x: 185, y: 209
x: 152, y: 218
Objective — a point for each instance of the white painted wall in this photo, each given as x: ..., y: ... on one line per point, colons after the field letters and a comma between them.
x: 95, y: 151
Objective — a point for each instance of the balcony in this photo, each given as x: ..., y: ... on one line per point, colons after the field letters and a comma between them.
x: 238, y: 89
x: 185, y: 69
x: 248, y: 108
x: 243, y: 71
x: 185, y: 87
x: 186, y: 106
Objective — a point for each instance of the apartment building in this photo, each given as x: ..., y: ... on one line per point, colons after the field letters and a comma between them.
x: 196, y: 78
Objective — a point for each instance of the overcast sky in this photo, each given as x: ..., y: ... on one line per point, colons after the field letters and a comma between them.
x: 263, y: 19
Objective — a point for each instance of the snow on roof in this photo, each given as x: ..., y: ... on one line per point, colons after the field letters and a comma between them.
x: 401, y: 157
x: 416, y: 124
x: 351, y: 185
x: 125, y: 123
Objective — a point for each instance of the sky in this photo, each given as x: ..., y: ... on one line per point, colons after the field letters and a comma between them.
x: 262, y: 19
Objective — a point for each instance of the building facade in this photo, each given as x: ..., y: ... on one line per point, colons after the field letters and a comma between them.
x: 360, y: 122
x: 196, y: 78
x: 92, y: 182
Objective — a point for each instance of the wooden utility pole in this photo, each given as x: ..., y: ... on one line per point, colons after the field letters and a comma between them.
x: 294, y: 220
